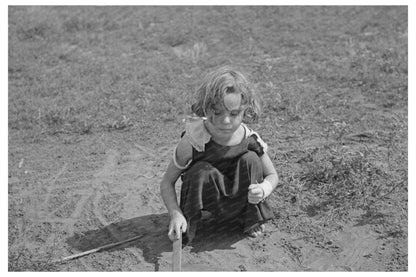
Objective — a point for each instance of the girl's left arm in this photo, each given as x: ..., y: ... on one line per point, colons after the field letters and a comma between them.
x: 269, y: 172
x: 258, y: 192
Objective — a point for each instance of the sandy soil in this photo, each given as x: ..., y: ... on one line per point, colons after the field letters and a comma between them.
x: 79, y: 196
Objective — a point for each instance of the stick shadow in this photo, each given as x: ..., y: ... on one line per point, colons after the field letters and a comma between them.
x: 153, y: 240
x: 152, y: 230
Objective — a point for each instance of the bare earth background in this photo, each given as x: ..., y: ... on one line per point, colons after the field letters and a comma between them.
x: 96, y: 102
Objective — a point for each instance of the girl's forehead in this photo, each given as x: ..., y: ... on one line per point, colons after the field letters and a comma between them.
x: 232, y: 101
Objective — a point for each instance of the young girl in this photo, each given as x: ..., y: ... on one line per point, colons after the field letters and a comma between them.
x: 223, y: 164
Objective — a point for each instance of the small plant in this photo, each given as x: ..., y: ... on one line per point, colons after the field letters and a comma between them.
x: 83, y: 127
x: 342, y: 182
x: 394, y: 137
x: 193, y: 53
x: 121, y: 124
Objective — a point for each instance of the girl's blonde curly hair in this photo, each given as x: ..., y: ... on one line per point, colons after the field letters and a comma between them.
x: 220, y: 82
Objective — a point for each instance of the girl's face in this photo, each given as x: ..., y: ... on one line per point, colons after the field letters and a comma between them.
x: 227, y: 117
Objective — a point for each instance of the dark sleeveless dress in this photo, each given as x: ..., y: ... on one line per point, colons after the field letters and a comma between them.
x: 217, y: 181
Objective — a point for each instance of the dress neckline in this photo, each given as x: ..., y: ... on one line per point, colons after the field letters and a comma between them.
x: 242, y: 140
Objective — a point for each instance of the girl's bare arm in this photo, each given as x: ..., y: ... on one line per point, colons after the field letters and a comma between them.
x: 167, y: 186
x: 269, y: 171
x: 178, y: 222
x: 258, y: 192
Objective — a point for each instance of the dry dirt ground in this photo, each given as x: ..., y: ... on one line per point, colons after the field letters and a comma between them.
x: 66, y: 199
x: 93, y: 119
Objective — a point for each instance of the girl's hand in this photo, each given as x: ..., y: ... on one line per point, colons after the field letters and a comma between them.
x: 255, y: 193
x: 258, y: 192
x: 177, y: 224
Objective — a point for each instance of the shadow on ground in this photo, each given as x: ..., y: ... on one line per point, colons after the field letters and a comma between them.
x: 153, y: 240
x: 212, y: 235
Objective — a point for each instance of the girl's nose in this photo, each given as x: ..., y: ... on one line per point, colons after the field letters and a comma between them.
x: 227, y: 120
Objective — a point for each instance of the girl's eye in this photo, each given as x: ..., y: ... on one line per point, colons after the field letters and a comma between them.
x: 217, y: 112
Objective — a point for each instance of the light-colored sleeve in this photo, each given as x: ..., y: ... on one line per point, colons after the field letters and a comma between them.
x: 182, y: 154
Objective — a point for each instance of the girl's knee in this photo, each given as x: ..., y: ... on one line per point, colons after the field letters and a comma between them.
x: 250, y: 167
x: 250, y: 158
x: 200, y: 170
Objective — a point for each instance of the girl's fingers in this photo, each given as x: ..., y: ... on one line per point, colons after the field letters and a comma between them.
x: 254, y: 199
x: 177, y: 231
x: 252, y: 186
x: 171, y: 234
x: 173, y: 231
x: 184, y: 227
x: 256, y: 191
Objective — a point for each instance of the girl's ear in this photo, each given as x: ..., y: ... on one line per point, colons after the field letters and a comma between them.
x: 197, y: 109
x: 252, y: 113
x: 194, y: 108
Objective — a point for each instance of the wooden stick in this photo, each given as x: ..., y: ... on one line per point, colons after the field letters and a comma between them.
x: 107, y: 246
x: 177, y: 254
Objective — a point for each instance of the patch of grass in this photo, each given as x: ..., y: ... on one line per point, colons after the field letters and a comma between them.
x: 338, y: 183
x: 335, y: 183
x: 24, y: 259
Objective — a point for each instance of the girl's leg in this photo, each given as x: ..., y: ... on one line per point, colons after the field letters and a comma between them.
x: 202, y: 187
